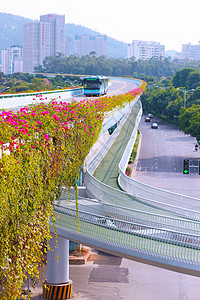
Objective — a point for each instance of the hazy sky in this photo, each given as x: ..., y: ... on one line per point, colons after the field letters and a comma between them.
x: 170, y: 22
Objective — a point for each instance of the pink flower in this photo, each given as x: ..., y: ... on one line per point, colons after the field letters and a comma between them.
x: 33, y: 114
x: 55, y: 117
x: 46, y: 137
x: 45, y: 113
x: 39, y: 122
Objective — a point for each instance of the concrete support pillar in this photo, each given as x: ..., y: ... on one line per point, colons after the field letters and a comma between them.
x: 58, y: 286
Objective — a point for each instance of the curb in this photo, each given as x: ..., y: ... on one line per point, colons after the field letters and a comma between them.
x: 82, y: 259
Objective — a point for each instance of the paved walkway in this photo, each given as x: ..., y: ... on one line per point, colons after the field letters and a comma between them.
x: 107, y: 277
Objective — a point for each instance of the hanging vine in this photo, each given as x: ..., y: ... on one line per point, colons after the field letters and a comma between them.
x: 42, y: 150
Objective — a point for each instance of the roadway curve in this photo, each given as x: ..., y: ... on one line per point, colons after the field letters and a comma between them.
x: 160, y: 161
x: 116, y: 86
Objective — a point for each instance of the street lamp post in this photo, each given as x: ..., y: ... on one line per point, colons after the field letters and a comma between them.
x: 185, y: 95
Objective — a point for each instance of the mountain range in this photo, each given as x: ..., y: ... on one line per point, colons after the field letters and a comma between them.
x: 11, y: 33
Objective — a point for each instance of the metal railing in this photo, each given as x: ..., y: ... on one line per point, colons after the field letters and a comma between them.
x: 117, y: 212
x: 150, y: 242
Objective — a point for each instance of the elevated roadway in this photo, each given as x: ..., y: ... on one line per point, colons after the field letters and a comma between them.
x: 129, y: 225
x: 141, y: 231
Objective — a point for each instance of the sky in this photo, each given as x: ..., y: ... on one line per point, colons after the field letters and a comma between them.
x: 170, y: 22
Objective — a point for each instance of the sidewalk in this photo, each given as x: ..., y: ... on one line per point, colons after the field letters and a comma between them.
x: 107, y: 277
x: 75, y: 258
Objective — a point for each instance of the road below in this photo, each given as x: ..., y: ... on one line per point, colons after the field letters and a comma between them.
x: 106, y: 276
x: 160, y: 161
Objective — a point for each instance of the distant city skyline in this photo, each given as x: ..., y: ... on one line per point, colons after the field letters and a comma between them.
x: 172, y: 22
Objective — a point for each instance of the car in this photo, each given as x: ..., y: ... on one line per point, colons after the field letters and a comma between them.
x: 150, y: 116
x: 154, y: 125
x: 147, y: 119
x: 107, y: 222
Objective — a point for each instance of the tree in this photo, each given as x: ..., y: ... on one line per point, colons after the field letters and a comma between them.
x: 193, y: 80
x: 189, y: 121
x: 194, y: 97
x: 93, y: 53
x: 180, y: 78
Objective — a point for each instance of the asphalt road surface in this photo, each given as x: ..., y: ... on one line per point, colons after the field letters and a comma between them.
x: 160, y: 161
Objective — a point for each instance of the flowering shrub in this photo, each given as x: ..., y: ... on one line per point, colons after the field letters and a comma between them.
x: 43, y: 148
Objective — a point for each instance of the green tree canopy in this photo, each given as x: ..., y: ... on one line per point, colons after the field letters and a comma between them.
x: 181, y: 77
x: 189, y: 120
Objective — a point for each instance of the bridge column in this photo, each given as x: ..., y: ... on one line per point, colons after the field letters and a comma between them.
x: 58, y: 286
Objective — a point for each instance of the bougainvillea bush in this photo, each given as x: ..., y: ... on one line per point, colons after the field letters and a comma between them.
x: 43, y: 148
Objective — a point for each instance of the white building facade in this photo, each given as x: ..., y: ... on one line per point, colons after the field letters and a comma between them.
x: 42, y: 39
x: 36, y: 44
x: 57, y: 32
x: 191, y: 52
x: 85, y: 44
x: 68, y: 48
x: 145, y: 50
x: 12, y: 60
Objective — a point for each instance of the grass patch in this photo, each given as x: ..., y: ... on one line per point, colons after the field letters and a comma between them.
x: 134, y: 150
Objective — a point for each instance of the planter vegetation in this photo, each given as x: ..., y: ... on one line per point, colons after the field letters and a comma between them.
x: 43, y: 148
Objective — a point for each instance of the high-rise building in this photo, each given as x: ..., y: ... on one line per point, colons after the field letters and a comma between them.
x: 86, y: 44
x: 12, y: 60
x: 68, y: 49
x: 191, y: 52
x: 36, y: 44
x: 41, y: 39
x: 57, y: 32
x: 145, y: 50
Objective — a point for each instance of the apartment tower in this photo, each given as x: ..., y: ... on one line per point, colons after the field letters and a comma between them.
x: 41, y: 39
x: 36, y: 44
x: 57, y: 33
x: 12, y: 60
x: 145, y: 50
x: 86, y: 44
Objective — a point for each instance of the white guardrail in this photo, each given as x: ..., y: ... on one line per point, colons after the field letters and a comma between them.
x: 134, y: 190
x: 22, y: 99
x: 156, y: 197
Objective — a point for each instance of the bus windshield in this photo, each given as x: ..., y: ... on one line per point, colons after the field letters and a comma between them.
x: 92, y: 83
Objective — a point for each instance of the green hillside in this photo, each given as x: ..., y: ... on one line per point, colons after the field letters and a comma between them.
x: 11, y: 33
